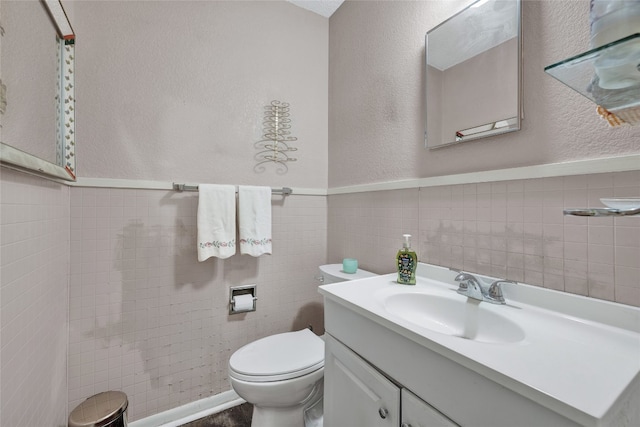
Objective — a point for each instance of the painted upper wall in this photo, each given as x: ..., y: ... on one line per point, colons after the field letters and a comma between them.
x: 175, y: 90
x: 376, y: 96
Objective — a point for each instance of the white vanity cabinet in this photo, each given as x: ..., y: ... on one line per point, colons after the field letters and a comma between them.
x: 459, y: 395
x: 357, y: 395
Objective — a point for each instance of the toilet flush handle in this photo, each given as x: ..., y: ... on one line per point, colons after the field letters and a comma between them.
x: 319, y: 278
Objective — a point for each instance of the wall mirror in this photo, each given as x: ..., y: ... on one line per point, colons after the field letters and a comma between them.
x: 473, y: 73
x: 37, y: 100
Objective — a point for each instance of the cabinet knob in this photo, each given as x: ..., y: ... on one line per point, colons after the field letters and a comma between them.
x: 383, y: 413
x: 405, y: 425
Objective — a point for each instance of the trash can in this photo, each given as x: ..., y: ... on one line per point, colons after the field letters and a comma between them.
x: 101, y: 410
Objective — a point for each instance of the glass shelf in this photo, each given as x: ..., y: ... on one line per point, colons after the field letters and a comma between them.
x: 602, y: 212
x: 608, y: 75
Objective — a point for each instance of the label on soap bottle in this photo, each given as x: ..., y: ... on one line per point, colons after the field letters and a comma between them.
x: 406, y: 268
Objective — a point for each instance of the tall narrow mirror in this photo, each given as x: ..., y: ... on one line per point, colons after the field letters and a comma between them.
x: 37, y: 105
x: 473, y: 68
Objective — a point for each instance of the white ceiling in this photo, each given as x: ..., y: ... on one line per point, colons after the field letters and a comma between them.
x: 321, y: 7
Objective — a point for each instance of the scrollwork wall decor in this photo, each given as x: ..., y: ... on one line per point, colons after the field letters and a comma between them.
x: 275, y: 146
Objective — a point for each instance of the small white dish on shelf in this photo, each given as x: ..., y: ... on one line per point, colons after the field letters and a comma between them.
x: 622, y: 204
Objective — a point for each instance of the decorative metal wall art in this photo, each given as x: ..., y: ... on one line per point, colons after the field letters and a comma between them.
x: 65, y: 107
x: 275, y: 146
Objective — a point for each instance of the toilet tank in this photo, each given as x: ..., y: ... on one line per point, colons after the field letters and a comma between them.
x: 332, y: 273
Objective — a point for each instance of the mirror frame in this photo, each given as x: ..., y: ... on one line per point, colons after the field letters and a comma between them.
x: 65, y: 166
x: 505, y: 125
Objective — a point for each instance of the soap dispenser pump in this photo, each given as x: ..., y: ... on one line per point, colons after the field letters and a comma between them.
x: 407, y: 262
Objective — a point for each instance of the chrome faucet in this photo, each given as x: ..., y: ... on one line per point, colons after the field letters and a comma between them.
x: 471, y: 287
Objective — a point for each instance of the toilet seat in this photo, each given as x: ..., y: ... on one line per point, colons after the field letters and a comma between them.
x: 278, y: 357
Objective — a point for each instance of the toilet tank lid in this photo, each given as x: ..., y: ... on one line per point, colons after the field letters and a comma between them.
x: 336, y: 271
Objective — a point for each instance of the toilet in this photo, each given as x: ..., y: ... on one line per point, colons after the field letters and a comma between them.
x: 282, y: 374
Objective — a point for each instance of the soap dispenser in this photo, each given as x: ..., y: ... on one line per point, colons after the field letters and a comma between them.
x: 407, y: 262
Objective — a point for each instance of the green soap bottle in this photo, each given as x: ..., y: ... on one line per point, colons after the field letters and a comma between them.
x: 407, y: 261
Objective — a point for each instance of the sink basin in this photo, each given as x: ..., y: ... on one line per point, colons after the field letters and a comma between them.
x: 463, y: 317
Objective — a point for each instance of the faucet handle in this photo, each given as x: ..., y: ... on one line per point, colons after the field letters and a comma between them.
x: 469, y: 286
x: 463, y: 281
x: 464, y: 277
x: 467, y: 280
x: 461, y: 277
x: 494, y: 294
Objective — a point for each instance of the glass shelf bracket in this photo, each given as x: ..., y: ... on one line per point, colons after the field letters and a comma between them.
x: 602, y: 212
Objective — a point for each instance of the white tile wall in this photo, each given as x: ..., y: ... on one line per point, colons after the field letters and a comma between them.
x: 369, y: 227
x: 148, y: 319
x: 34, y: 265
x: 511, y: 229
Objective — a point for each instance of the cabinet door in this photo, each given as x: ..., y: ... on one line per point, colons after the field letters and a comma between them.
x: 355, y: 394
x: 418, y: 413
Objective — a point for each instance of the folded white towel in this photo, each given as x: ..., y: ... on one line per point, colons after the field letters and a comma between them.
x: 254, y: 219
x: 216, y: 221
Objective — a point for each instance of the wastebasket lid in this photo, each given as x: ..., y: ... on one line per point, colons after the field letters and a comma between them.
x: 99, y: 410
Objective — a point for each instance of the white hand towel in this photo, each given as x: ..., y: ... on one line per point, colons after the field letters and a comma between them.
x: 216, y: 221
x: 254, y: 219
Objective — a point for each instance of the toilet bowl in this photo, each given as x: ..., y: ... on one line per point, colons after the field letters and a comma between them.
x: 282, y: 374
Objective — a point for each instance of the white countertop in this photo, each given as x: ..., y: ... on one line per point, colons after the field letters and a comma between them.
x: 579, y: 352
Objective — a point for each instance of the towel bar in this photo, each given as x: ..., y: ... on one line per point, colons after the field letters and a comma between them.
x: 285, y: 191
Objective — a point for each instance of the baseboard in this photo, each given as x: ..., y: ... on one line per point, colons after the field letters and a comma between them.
x: 191, y: 411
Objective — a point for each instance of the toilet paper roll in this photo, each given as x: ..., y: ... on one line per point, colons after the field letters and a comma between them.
x: 243, y: 302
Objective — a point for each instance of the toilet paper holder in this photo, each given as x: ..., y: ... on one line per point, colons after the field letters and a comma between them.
x: 236, y: 291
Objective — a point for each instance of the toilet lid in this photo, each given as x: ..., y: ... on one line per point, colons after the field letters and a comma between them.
x: 278, y: 357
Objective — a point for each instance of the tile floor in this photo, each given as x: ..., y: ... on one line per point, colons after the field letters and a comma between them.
x: 238, y: 416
